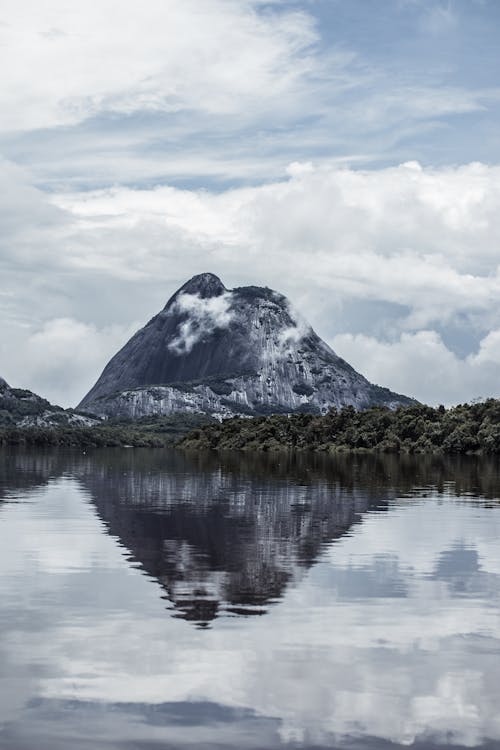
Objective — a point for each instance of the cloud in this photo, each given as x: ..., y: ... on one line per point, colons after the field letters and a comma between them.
x: 419, y: 364
x: 205, y: 316
x: 215, y: 56
x: 60, y: 359
x: 422, y: 238
x: 419, y: 242
x: 222, y: 90
x: 30, y: 224
x: 294, y: 333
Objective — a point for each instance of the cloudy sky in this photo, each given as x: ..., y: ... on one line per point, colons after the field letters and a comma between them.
x: 344, y: 152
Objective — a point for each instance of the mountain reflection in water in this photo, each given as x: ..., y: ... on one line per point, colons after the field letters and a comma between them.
x: 376, y: 580
x: 223, y: 538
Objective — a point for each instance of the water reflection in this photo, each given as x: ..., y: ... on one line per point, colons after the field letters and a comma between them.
x: 223, y: 538
x: 377, y: 582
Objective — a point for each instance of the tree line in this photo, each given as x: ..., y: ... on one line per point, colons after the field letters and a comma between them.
x: 466, y: 428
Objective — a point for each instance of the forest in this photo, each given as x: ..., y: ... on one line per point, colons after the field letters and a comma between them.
x: 462, y: 429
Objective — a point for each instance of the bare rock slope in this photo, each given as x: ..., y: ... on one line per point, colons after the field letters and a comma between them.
x: 226, y: 352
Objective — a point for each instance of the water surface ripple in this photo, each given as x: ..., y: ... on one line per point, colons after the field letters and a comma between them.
x: 155, y: 599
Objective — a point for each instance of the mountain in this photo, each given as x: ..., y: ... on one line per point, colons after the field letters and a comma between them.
x: 22, y: 408
x: 227, y: 352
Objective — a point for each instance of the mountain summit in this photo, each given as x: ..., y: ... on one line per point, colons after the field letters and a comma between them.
x: 226, y: 352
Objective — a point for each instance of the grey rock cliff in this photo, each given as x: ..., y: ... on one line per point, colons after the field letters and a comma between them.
x: 226, y: 352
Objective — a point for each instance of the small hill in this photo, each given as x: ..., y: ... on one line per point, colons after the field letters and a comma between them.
x: 23, y: 408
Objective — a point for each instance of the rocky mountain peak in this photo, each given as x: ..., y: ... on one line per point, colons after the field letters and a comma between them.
x: 229, y: 351
x: 204, y: 285
x: 3, y: 383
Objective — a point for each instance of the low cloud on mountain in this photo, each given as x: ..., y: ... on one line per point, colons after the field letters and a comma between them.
x: 205, y: 315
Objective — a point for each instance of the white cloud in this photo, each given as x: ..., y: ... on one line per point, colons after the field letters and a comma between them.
x: 296, y: 331
x: 60, y: 359
x: 216, y: 56
x: 424, y: 238
x: 424, y: 241
x: 489, y: 350
x: 205, y: 316
x: 420, y: 365
x: 102, y: 92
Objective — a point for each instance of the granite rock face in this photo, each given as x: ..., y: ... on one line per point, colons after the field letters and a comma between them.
x: 225, y: 352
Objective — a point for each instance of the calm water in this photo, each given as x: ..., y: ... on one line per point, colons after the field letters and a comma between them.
x: 150, y: 599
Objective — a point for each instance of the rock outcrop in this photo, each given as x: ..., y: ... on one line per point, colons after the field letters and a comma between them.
x: 225, y: 352
x: 22, y: 408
